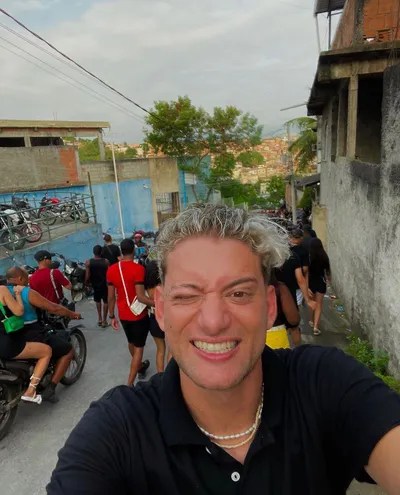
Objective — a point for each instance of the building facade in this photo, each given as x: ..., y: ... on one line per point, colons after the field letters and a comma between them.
x: 356, y: 96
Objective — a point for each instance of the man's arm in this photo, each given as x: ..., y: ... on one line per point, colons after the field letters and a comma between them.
x: 383, y: 465
x: 56, y: 309
x: 96, y: 457
x: 111, y: 306
x: 87, y: 272
x: 141, y: 295
x: 59, y: 277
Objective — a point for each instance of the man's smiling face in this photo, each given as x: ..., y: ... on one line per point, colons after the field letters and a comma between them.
x: 214, y: 307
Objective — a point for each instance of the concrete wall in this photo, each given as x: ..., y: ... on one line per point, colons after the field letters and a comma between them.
x: 77, y: 245
x: 42, y: 166
x: 363, y: 203
x: 320, y: 222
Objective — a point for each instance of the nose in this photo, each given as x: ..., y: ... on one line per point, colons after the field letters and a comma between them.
x: 213, y: 316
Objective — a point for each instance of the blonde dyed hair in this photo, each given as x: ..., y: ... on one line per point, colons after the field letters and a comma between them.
x: 262, y: 236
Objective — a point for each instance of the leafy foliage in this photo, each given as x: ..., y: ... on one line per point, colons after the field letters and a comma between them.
x: 276, y: 190
x: 178, y: 128
x: 305, y: 146
x: 376, y: 361
x: 307, y: 198
x: 89, y: 151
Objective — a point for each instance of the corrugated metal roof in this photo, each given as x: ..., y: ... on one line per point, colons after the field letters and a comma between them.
x: 322, y: 6
x: 55, y: 124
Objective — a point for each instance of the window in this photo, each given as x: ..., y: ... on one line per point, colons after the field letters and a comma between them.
x: 12, y: 142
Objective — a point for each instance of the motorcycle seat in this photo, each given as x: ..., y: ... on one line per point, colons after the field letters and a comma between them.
x: 14, y: 364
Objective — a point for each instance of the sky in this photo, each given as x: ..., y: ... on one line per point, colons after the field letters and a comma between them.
x: 259, y: 55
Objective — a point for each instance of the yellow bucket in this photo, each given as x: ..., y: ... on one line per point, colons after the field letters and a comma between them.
x: 277, y: 338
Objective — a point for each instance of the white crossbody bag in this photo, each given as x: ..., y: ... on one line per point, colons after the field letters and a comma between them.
x: 135, y: 306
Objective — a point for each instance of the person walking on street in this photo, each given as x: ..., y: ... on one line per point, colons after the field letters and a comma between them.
x: 320, y: 272
x: 151, y: 282
x: 229, y: 414
x: 48, y: 281
x: 126, y: 283
x: 111, y: 251
x: 96, y: 276
x: 296, y: 246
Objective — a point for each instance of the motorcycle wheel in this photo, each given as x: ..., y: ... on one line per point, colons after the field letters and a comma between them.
x: 12, y: 241
x: 77, y: 363
x: 48, y: 217
x: 32, y: 232
x: 7, y: 393
x: 83, y: 216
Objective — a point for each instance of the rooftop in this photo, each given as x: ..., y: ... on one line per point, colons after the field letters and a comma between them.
x: 53, y: 124
x: 322, y: 6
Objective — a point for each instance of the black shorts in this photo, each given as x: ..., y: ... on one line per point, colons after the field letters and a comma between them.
x: 317, y: 285
x: 136, y: 331
x: 100, y: 294
x: 155, y: 329
x: 34, y: 332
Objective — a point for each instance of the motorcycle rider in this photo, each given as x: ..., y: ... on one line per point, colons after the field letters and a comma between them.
x: 48, y: 281
x: 141, y: 248
x: 34, y: 331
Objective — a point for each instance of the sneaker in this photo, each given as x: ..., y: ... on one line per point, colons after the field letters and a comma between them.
x: 49, y: 394
x: 143, y: 369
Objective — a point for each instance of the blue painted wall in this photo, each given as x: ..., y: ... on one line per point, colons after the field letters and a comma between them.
x: 136, y: 204
x: 77, y: 245
x: 186, y: 190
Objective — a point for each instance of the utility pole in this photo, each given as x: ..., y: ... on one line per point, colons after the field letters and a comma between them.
x: 117, y: 187
x: 292, y: 176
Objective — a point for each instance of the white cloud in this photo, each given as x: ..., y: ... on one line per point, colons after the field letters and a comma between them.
x: 255, y: 54
x: 29, y: 5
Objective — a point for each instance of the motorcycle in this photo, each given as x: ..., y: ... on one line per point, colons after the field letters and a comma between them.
x: 15, y: 374
x: 49, y: 210
x: 10, y: 236
x: 30, y: 229
x: 75, y: 272
x: 74, y: 209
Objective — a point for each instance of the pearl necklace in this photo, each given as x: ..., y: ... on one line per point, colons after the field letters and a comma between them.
x: 250, y: 431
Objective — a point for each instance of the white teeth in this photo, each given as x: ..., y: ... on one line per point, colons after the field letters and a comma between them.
x: 215, y: 347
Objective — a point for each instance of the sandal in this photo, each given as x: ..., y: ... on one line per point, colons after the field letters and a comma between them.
x: 35, y: 398
x: 316, y: 331
x: 311, y: 323
x: 105, y: 324
x: 99, y: 323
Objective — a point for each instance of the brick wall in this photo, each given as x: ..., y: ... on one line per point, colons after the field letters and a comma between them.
x: 101, y: 172
x: 373, y: 20
x: 38, y: 167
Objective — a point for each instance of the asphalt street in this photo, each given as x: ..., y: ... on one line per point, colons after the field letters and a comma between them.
x: 29, y: 453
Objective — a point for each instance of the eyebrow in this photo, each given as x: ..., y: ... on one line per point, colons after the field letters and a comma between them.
x: 238, y: 281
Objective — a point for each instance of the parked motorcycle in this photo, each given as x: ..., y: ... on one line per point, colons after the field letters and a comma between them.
x: 10, y: 237
x: 74, y: 209
x: 49, y: 210
x: 30, y: 229
x: 15, y: 374
x: 75, y: 272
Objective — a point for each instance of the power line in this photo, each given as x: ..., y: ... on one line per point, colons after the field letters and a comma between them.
x: 76, y: 63
x: 126, y: 112
x: 105, y: 98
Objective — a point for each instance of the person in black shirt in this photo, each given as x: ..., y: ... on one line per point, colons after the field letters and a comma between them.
x: 110, y: 252
x: 320, y: 271
x: 296, y: 246
x: 151, y: 281
x: 308, y: 234
x: 96, y: 273
x: 229, y: 415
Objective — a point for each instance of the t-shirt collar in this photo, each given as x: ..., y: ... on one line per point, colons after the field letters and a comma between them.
x: 176, y: 422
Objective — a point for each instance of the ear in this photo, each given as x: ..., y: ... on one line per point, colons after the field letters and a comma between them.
x: 271, y: 305
x: 159, y: 305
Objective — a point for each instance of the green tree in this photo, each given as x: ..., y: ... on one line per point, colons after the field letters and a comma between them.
x: 89, y: 151
x: 304, y: 147
x: 276, y: 187
x: 307, y: 198
x: 178, y: 128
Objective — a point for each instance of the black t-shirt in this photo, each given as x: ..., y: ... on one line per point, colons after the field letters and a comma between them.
x: 286, y: 273
x: 152, y: 277
x: 111, y: 252
x: 302, y: 253
x: 98, y: 271
x: 323, y: 415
